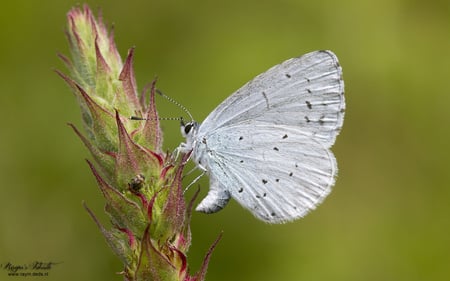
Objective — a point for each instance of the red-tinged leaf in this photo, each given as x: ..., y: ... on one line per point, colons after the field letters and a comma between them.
x: 100, y: 25
x: 200, y: 276
x: 123, y: 212
x: 108, y: 49
x: 142, y: 97
x: 151, y: 130
x: 69, y: 39
x: 153, y: 265
x: 66, y: 61
x: 119, y: 248
x: 155, y: 155
x: 144, y: 200
x: 175, y: 207
x: 75, y: 90
x: 72, y: 84
x: 75, y: 38
x: 133, y: 159
x: 191, y: 204
x: 164, y: 171
x: 91, y: 20
x: 131, y: 238
x: 129, y: 81
x: 173, y: 217
x: 150, y: 207
x: 126, y: 157
x: 112, y: 154
x: 102, y: 66
x: 113, y: 48
x: 184, y: 239
x: 183, y: 260
x: 105, y: 160
x: 100, y: 122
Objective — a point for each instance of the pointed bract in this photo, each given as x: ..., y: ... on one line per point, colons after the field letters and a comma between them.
x: 106, y: 161
x: 117, y: 245
x: 152, y: 263
x: 113, y: 49
x: 102, y: 66
x: 200, y: 276
x: 129, y: 81
x: 174, y: 211
x: 131, y: 238
x: 100, y: 122
x: 183, y: 241
x: 132, y: 159
x: 65, y: 60
x: 123, y: 212
x: 151, y: 133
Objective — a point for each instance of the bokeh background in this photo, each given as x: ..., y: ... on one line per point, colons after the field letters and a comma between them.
x: 388, y: 217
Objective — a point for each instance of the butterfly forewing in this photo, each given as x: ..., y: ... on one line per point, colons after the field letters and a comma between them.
x: 302, y: 92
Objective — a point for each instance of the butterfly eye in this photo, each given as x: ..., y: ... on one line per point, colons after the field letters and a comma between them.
x: 188, y: 128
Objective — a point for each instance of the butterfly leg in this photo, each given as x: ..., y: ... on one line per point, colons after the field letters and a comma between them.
x: 182, y: 149
x: 194, y: 181
x: 190, y: 172
x: 216, y: 199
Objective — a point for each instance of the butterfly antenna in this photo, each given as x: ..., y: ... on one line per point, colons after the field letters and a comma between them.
x: 159, y: 118
x: 176, y: 103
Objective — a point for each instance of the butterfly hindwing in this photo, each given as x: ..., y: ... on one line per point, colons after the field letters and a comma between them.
x: 276, y: 172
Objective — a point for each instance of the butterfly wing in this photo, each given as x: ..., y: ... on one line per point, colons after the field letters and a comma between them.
x: 267, y: 145
x: 276, y: 172
x: 306, y: 92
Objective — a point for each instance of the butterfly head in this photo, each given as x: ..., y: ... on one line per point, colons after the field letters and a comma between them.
x: 189, y: 130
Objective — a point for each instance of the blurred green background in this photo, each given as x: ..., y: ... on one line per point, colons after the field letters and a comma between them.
x: 388, y: 217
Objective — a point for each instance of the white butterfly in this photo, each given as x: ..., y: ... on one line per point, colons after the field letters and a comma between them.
x: 267, y: 145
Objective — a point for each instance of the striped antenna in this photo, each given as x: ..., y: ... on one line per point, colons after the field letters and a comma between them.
x: 175, y: 102
x: 159, y: 118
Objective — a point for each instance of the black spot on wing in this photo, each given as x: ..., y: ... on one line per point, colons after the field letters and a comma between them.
x: 259, y: 196
x: 266, y: 99
x: 321, y: 121
x: 308, y: 104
